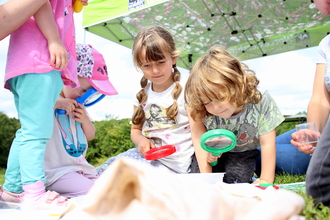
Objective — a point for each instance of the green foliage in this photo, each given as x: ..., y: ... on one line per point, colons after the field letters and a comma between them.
x: 2, y: 175
x: 8, y: 128
x: 112, y: 137
x: 284, y: 178
x: 287, y: 126
x: 310, y: 211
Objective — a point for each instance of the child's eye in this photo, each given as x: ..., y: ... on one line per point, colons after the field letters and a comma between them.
x: 145, y: 66
x: 206, y: 103
x: 161, y: 62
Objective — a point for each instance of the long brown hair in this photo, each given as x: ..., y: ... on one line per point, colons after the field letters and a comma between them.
x: 157, y: 42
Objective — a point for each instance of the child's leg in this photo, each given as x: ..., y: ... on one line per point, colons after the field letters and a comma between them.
x: 35, y: 96
x: 133, y: 154
x: 288, y: 158
x: 239, y: 166
x: 73, y: 184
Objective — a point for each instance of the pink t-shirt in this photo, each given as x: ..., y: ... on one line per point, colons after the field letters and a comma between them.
x: 28, y: 49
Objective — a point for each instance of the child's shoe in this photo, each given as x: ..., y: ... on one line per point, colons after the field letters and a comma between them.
x: 37, y: 199
x: 51, y: 201
x: 9, y: 200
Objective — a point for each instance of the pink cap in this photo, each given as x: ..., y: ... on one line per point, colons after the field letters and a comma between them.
x: 91, y: 65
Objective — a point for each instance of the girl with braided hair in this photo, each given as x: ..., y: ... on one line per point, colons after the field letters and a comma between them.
x: 159, y: 116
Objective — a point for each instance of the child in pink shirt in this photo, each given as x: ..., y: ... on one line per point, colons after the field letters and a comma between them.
x: 41, y: 57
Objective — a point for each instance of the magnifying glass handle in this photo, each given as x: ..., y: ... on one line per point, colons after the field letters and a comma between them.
x: 60, y: 111
x: 214, y: 162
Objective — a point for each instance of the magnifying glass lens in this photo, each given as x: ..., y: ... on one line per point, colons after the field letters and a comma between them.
x: 218, y: 142
x: 93, y: 98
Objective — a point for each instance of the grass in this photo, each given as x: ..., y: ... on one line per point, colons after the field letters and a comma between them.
x: 310, y: 211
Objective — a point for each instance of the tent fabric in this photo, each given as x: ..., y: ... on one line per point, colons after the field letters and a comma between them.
x: 246, y: 28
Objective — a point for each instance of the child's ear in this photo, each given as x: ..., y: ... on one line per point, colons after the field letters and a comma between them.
x: 174, y: 60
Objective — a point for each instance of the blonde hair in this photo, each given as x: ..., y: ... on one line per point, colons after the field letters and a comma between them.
x: 157, y: 43
x: 236, y: 83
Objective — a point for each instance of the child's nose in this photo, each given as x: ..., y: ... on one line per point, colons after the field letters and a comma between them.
x: 217, y: 107
x: 155, y: 69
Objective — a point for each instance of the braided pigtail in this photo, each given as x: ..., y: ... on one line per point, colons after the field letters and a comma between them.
x: 173, y: 110
x: 139, y: 115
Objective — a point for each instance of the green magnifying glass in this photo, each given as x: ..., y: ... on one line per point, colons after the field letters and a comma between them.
x: 218, y: 141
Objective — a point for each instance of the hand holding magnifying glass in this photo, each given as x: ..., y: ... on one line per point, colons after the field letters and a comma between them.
x: 89, y: 98
x: 218, y: 141
x: 160, y: 152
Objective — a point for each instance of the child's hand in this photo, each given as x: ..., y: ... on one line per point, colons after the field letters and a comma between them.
x: 58, y: 54
x: 84, y: 2
x: 210, y: 158
x: 145, y: 145
x: 66, y: 104
x: 80, y: 114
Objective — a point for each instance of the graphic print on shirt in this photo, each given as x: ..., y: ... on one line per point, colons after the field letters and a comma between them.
x: 245, y: 131
x: 246, y: 135
x: 156, y: 119
x: 72, y: 148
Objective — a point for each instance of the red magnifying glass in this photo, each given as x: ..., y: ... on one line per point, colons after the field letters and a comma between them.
x: 159, y: 152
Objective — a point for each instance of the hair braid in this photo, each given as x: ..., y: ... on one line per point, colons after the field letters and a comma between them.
x: 139, y: 115
x: 173, y: 110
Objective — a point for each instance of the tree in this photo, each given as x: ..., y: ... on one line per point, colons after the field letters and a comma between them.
x: 8, y: 128
x: 112, y: 138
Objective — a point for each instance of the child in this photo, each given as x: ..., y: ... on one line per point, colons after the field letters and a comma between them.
x: 37, y: 60
x: 67, y: 171
x: 221, y: 92
x: 159, y: 116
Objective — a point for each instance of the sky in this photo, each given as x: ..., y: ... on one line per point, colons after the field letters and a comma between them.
x: 288, y: 77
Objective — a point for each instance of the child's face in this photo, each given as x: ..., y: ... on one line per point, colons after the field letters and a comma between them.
x: 159, y: 72
x: 77, y: 92
x: 221, y: 109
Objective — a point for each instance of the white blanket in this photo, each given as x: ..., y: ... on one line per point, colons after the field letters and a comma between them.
x: 129, y: 189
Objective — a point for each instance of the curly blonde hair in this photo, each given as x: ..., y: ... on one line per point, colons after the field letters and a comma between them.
x: 157, y: 43
x: 236, y: 83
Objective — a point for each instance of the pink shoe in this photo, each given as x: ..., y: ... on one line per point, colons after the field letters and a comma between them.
x: 9, y: 200
x: 50, y: 201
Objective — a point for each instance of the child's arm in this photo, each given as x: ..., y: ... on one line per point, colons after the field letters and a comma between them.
x: 81, y: 116
x: 268, y: 157
x: 45, y: 20
x: 143, y: 143
x: 197, y: 130
x: 14, y: 13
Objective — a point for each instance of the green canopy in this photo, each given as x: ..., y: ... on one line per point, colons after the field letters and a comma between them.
x: 246, y: 28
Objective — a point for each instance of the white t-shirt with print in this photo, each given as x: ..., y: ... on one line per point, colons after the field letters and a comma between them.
x: 58, y: 161
x: 164, y: 131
